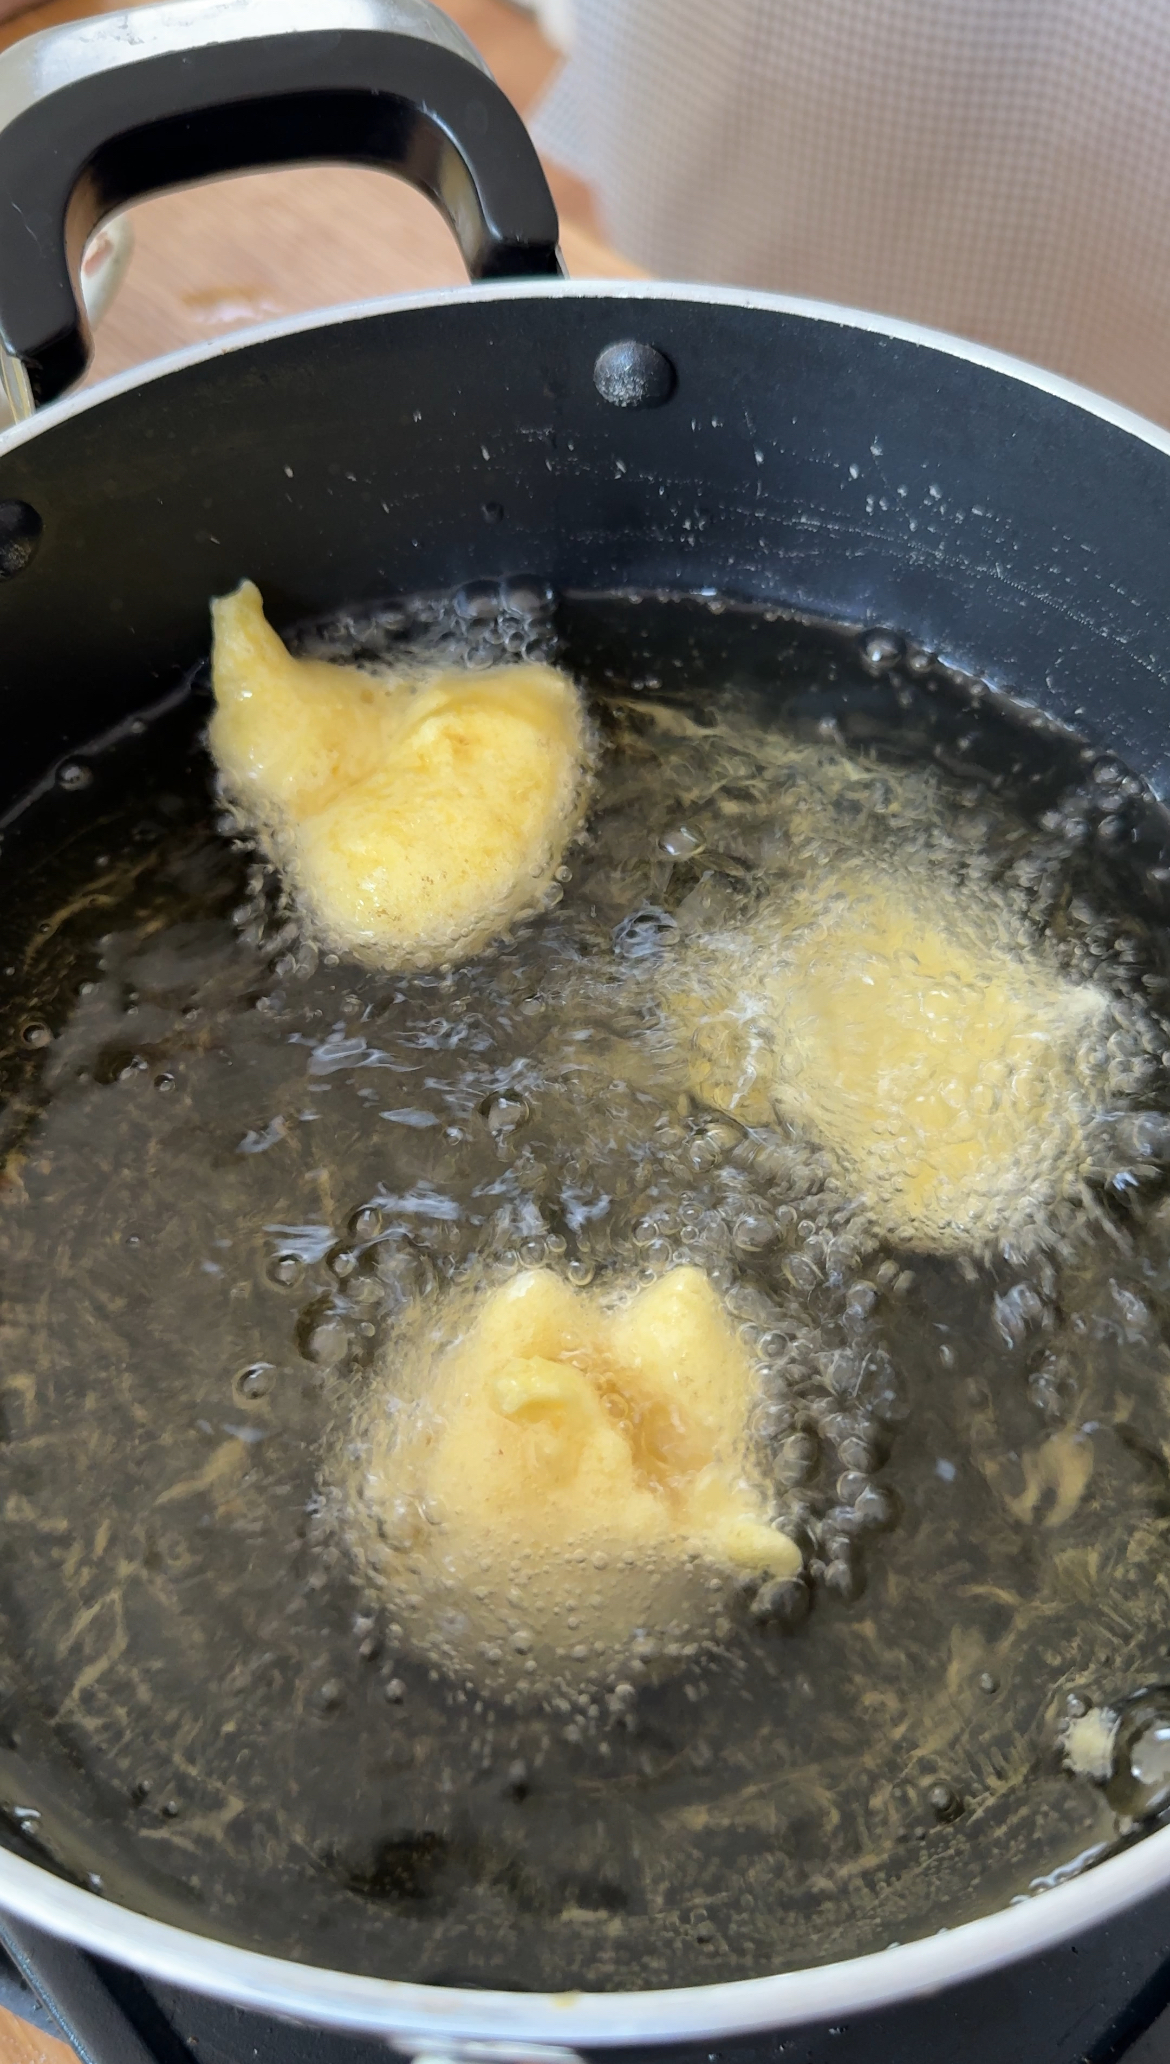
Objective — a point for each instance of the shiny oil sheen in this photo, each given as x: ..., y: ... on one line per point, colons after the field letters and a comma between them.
x: 233, y: 1164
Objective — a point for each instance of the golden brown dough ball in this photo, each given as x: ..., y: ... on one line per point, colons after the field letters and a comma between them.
x: 947, y: 1071
x: 561, y: 1468
x: 415, y: 819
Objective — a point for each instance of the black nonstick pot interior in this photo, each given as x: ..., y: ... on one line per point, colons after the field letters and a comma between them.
x: 856, y: 475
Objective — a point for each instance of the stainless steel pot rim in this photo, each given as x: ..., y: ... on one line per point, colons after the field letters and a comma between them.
x: 431, y: 2017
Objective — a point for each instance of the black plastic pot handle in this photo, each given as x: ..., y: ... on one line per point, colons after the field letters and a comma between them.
x: 101, y: 112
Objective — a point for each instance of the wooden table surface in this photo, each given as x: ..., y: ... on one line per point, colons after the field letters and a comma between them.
x: 241, y: 251
x: 22, y: 2044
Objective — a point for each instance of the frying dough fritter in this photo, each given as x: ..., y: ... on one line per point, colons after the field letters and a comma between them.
x: 556, y: 1429
x: 415, y: 820
x: 950, y: 1073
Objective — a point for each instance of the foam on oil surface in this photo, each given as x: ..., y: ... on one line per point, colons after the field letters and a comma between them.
x: 238, y: 1175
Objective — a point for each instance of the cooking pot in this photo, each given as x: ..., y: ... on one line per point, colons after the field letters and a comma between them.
x: 596, y: 436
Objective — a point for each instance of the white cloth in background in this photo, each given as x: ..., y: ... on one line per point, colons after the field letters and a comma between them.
x: 999, y: 168
x: 556, y: 19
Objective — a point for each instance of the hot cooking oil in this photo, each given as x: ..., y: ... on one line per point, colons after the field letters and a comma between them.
x: 255, y: 1193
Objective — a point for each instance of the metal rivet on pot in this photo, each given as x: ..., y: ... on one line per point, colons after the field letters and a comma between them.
x: 20, y: 535
x: 634, y: 375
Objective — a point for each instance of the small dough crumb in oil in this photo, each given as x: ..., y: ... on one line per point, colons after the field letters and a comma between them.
x: 558, y: 1428
x: 415, y: 819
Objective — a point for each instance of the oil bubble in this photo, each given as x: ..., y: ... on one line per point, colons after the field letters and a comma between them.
x: 855, y: 1454
x: 783, y: 1603
x: 845, y: 1578
x: 505, y: 1112
x: 681, y: 844
x: 753, y: 1233
x: 256, y: 1380
x: 798, y: 1459
x: 850, y: 1486
x: 880, y: 650
x: 1139, y: 1784
x: 944, y: 1803
x: 478, y: 602
x: 526, y: 598
x: 328, y: 1343
x: 876, y: 1506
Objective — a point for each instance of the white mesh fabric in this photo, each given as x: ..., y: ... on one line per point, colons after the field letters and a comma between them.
x: 999, y: 168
